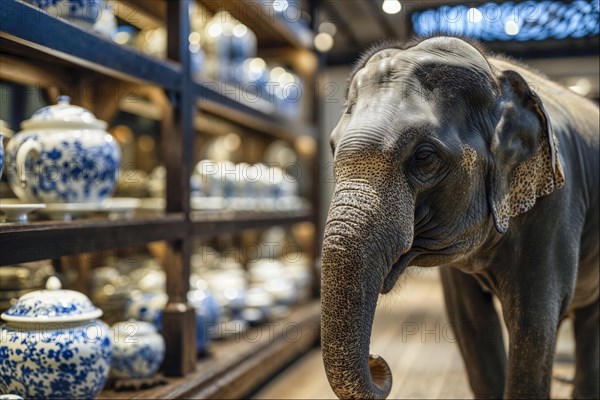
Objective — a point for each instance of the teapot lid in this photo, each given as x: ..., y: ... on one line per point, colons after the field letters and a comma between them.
x: 52, y: 305
x: 63, y: 115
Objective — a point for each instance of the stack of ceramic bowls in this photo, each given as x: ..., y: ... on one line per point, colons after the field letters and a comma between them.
x: 243, y: 186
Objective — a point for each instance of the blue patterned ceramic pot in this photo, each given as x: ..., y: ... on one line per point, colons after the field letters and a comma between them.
x: 138, y: 350
x: 149, y: 307
x: 53, y: 347
x: 62, y: 155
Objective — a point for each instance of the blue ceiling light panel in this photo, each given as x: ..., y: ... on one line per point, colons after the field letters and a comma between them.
x: 523, y: 21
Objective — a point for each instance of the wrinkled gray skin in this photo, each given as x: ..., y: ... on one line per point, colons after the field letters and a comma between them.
x: 447, y: 156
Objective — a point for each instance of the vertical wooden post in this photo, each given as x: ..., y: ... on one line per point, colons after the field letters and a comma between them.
x: 318, y: 172
x: 179, y: 323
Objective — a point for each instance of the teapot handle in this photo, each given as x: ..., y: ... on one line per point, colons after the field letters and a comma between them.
x: 24, y: 150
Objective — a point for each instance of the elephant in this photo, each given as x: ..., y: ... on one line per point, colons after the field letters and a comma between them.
x: 449, y: 156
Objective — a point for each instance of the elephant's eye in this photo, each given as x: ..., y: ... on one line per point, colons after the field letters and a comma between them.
x: 425, y: 163
x: 423, y: 154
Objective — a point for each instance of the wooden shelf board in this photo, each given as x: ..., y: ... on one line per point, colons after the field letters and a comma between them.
x: 207, y: 224
x: 53, y: 239
x: 74, y: 45
x: 239, y: 364
x: 232, y: 105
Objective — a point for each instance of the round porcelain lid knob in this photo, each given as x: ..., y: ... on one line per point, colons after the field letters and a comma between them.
x: 53, y: 283
x: 63, y: 100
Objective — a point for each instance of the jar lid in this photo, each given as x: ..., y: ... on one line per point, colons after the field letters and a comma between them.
x: 134, y: 328
x: 63, y: 115
x: 52, y: 305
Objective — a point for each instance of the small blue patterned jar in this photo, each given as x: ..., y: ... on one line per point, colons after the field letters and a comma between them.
x: 149, y: 307
x: 53, y: 347
x: 62, y: 155
x: 138, y: 350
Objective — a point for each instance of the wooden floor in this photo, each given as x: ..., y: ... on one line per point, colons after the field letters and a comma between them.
x: 425, y: 364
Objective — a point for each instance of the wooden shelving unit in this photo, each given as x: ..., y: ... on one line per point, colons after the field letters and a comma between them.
x: 52, y: 239
x: 28, y: 32
x: 272, y: 29
x: 257, y: 115
x: 206, y: 224
x: 48, y: 43
x: 237, y: 364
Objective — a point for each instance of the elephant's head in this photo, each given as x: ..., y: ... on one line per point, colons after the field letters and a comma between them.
x: 435, y: 151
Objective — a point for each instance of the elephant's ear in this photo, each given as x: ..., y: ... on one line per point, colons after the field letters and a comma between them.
x: 524, y: 150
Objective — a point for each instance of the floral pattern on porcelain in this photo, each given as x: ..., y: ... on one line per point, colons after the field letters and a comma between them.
x: 146, y: 307
x: 62, y: 155
x: 138, y: 354
x: 54, y: 361
x: 37, y: 305
x: 74, y: 166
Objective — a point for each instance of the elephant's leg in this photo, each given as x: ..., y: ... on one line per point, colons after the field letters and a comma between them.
x: 587, y: 336
x: 478, y: 331
x: 532, y: 315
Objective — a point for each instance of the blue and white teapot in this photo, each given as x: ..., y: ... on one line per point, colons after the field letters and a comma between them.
x: 62, y: 155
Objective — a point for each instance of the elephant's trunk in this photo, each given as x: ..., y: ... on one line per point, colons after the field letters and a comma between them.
x: 360, y: 245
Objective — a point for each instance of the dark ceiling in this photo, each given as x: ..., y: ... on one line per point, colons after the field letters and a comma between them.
x: 361, y: 23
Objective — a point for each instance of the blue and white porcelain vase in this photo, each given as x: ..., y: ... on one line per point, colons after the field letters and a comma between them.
x: 62, y: 155
x: 54, y: 347
x: 138, y: 350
